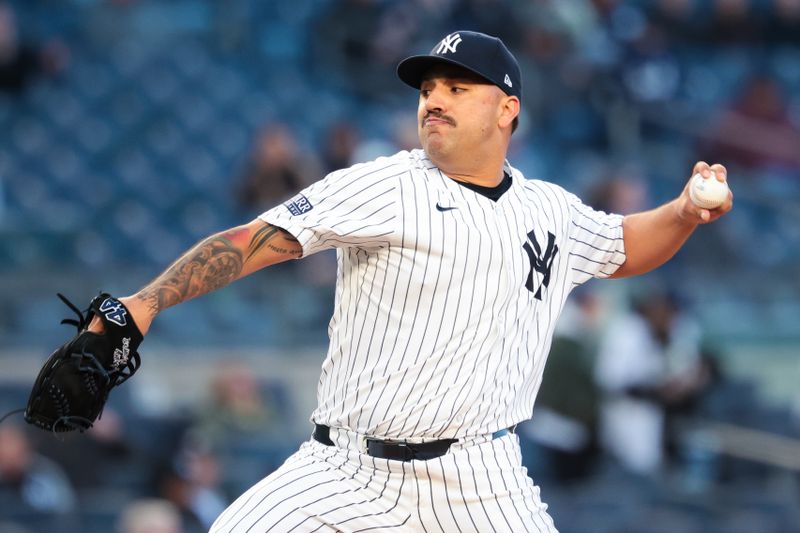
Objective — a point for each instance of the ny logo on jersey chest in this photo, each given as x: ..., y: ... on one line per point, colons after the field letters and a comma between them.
x: 541, y: 262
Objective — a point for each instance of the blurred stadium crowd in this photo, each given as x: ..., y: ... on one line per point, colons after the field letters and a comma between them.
x: 129, y: 129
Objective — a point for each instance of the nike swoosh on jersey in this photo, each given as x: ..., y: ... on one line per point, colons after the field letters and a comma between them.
x: 443, y: 209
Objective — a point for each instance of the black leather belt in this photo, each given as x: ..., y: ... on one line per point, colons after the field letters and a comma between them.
x: 396, y: 450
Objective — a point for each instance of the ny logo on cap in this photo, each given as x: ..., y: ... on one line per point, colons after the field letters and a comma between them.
x: 449, y: 44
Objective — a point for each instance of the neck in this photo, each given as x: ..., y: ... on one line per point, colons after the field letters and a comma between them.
x: 489, y: 180
x: 481, y: 171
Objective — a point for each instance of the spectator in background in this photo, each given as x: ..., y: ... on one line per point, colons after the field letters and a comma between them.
x: 678, y: 18
x: 651, y: 69
x: 237, y: 409
x: 150, y: 516
x: 339, y: 145
x: 731, y: 15
x: 648, y: 362
x: 20, y: 63
x: 786, y: 14
x: 564, y: 426
x: 274, y: 170
x: 756, y: 131
x: 102, y: 458
x: 548, y: 75
x: 623, y: 191
x: 192, y: 484
x: 242, y: 428
x: 30, y: 482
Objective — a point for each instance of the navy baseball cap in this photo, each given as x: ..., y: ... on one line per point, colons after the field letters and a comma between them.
x: 482, y: 54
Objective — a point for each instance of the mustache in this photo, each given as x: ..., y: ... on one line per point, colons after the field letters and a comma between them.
x: 450, y: 120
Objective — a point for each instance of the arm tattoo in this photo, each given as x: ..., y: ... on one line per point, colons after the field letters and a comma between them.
x: 269, y: 236
x: 212, y: 264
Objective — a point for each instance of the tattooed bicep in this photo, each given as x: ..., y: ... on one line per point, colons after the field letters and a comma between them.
x: 275, y: 239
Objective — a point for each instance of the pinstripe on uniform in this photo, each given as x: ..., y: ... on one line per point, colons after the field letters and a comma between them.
x: 434, y: 335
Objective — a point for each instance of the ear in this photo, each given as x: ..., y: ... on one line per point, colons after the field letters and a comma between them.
x: 509, y: 109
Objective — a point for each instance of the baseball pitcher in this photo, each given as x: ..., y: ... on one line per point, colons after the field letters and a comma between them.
x: 452, y: 271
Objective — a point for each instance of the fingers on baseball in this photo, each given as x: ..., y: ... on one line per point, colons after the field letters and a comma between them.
x: 717, y: 170
x: 703, y: 168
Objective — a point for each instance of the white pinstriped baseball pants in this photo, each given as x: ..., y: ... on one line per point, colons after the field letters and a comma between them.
x: 474, y: 488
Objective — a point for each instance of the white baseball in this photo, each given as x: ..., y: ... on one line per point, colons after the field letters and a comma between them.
x: 708, y: 193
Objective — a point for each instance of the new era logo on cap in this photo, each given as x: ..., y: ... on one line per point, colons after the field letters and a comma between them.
x: 483, y: 54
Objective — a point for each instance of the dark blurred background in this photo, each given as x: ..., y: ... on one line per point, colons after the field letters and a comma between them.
x: 130, y: 129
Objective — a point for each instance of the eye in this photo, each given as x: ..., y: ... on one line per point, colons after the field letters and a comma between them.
x: 457, y: 90
x: 425, y: 92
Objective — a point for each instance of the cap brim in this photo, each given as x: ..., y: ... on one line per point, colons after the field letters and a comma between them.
x: 412, y: 69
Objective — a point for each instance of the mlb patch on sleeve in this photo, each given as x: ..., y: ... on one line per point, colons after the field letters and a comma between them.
x: 298, y: 205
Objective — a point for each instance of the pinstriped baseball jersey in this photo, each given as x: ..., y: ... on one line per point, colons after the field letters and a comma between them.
x: 446, y: 301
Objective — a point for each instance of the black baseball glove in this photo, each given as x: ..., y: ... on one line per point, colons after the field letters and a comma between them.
x: 74, y: 383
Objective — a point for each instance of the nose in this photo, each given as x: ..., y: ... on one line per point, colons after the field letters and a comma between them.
x: 436, y: 100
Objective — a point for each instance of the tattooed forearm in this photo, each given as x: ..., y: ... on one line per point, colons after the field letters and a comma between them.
x: 218, y: 261
x: 212, y: 264
x: 271, y: 237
